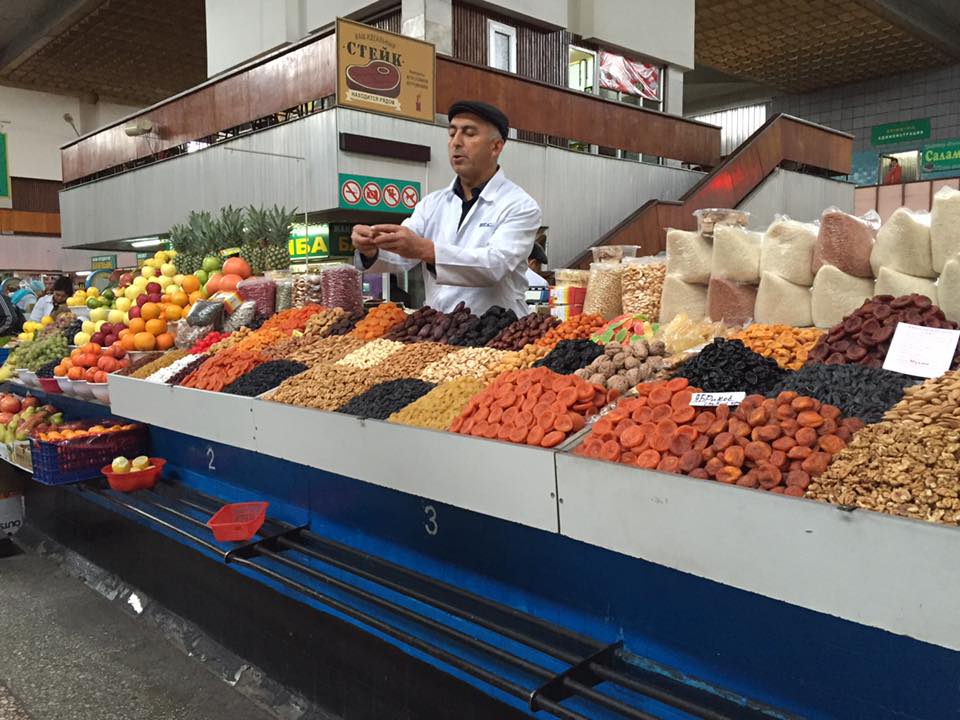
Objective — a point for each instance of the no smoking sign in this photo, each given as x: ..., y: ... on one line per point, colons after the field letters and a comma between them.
x: 361, y: 192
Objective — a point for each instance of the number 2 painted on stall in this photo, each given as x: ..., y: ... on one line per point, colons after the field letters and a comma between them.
x: 431, y: 524
x: 210, y: 457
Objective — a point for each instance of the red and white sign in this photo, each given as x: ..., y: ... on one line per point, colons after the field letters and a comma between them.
x: 350, y: 192
x: 410, y: 197
x: 629, y: 76
x: 391, y: 195
x: 371, y: 193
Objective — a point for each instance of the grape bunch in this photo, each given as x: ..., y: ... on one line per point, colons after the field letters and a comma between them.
x: 33, y: 355
x: 72, y: 329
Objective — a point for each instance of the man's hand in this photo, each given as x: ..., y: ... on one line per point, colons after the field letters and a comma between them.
x: 363, y: 239
x: 404, y: 242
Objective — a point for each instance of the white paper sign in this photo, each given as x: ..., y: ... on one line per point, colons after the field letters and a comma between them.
x: 921, y: 351
x: 716, y: 399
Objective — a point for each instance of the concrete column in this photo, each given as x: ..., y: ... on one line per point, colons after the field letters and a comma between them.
x: 673, y: 86
x: 430, y: 20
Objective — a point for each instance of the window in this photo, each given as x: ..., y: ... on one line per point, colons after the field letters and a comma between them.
x: 580, y: 69
x: 501, y: 46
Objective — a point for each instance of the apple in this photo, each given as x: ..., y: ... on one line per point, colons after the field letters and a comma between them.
x: 81, y: 338
x: 142, y: 299
x: 125, y: 279
x: 97, y: 338
x: 155, y: 297
x: 134, y: 312
x: 148, y: 271
x: 210, y: 263
x: 99, y: 314
x: 168, y: 269
x: 200, y: 275
x: 160, y: 255
x: 178, y: 279
x: 165, y: 281
x: 110, y: 339
x: 154, y: 287
x: 88, y: 327
x: 131, y: 293
x: 115, y: 316
x: 123, y: 303
x: 140, y: 282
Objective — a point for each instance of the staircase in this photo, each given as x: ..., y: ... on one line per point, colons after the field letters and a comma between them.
x: 783, y: 141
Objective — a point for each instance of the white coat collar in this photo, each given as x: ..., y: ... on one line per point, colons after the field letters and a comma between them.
x: 490, y: 191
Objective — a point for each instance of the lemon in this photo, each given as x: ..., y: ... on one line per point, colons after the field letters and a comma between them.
x: 141, y: 462
x: 93, y: 291
x: 120, y: 465
x: 46, y: 320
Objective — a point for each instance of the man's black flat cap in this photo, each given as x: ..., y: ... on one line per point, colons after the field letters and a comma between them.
x: 491, y: 114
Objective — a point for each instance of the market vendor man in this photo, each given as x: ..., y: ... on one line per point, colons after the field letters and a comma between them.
x: 471, y: 239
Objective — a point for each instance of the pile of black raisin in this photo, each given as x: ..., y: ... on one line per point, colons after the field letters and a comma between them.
x: 570, y: 355
x: 264, y: 377
x: 730, y: 366
x: 386, y: 398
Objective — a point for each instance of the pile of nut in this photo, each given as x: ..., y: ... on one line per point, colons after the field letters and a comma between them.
x: 899, y: 468
x: 469, y: 362
x: 371, y: 353
x: 642, y: 286
x: 518, y: 360
x: 307, y: 288
x: 322, y: 322
x: 439, y: 407
x: 623, y: 366
x: 937, y: 401
x: 314, y: 351
x: 429, y: 325
x: 325, y: 387
x: 864, y: 335
x: 524, y: 331
x: 410, y: 360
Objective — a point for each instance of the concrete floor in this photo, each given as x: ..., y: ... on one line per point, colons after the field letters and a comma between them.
x: 66, y: 653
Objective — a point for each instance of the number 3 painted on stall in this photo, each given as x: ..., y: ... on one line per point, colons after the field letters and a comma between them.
x: 431, y: 524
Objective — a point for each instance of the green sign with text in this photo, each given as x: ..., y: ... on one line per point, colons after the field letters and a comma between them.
x: 899, y: 132
x: 4, y: 168
x: 940, y: 156
x: 316, y: 242
x: 361, y: 192
x: 103, y: 262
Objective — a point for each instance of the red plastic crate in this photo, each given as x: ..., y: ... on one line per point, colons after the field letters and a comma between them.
x: 238, y: 522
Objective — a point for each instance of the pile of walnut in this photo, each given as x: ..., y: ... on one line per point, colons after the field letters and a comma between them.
x: 624, y: 365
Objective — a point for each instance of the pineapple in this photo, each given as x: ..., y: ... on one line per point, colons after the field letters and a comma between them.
x: 207, y: 232
x: 255, y: 234
x: 184, y: 240
x: 232, y: 231
x: 279, y: 224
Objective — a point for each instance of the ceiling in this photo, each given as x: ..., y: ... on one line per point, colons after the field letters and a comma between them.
x: 128, y: 51
x: 796, y: 46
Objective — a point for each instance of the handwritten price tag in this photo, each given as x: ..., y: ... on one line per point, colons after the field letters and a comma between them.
x: 921, y: 351
x: 716, y: 399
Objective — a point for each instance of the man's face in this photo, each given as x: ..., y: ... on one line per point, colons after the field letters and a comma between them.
x: 59, y: 297
x: 48, y: 283
x: 473, y: 145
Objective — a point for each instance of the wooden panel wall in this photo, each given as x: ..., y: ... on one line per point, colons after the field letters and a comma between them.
x: 275, y: 83
x: 19, y: 222
x: 541, y: 53
x: 34, y: 195
x: 389, y: 21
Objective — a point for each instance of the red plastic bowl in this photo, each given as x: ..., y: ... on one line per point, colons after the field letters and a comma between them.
x: 50, y: 385
x: 133, y: 481
x: 238, y: 522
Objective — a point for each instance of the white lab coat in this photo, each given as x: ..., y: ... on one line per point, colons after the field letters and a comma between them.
x: 534, y: 280
x: 43, y: 307
x: 483, y: 263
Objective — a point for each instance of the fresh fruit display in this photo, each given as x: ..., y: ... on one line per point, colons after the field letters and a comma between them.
x: 122, y: 465
x: 92, y: 362
x: 33, y: 355
x: 19, y: 417
x: 78, y: 433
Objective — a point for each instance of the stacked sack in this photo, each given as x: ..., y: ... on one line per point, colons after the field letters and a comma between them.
x: 945, y: 249
x: 734, y: 274
x: 689, y: 257
x: 843, y: 276
x: 786, y: 273
x: 901, y: 259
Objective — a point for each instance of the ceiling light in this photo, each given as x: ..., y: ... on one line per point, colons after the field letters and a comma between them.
x: 152, y: 242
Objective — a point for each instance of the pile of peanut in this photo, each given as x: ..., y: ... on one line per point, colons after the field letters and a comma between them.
x: 325, y: 387
x: 314, y: 351
x: 788, y: 346
x: 900, y: 468
x: 410, y: 360
x: 624, y: 365
x: 642, y: 286
x: 372, y: 353
x: 320, y: 324
x: 234, y: 338
x: 438, y: 408
x: 937, y: 401
x: 469, y: 362
x: 518, y: 360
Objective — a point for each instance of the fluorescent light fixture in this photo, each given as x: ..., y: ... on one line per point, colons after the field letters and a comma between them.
x: 194, y: 145
x: 83, y: 273
x: 152, y: 242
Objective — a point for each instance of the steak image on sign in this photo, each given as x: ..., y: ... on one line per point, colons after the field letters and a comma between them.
x: 376, y: 77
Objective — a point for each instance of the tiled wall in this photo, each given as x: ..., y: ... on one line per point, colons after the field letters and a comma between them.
x: 855, y: 108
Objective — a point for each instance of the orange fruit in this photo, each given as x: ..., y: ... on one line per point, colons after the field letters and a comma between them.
x: 190, y: 283
x: 194, y: 296
x: 156, y: 326
x: 180, y: 298
x: 91, y: 348
x: 164, y: 341
x: 144, y: 341
x: 127, y: 341
x: 87, y: 360
x: 75, y: 373
x: 125, y: 331
x: 186, y: 310
x: 164, y: 298
x: 173, y: 312
x: 137, y: 325
x: 60, y: 371
x: 89, y: 374
x: 100, y: 376
x: 150, y: 311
